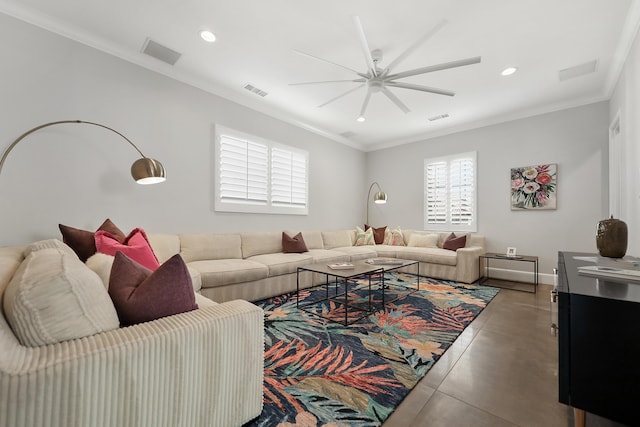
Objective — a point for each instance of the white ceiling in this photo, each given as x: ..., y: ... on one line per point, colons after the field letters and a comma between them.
x: 257, y: 39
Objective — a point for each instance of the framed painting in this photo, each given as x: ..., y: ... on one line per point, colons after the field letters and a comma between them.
x: 534, y: 187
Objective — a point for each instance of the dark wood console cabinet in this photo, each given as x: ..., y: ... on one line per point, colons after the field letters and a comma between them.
x: 599, y: 342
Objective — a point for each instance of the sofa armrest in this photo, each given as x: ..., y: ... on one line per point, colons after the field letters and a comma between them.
x: 200, y: 368
x: 468, y: 263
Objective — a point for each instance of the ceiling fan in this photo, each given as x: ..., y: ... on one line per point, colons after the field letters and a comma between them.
x: 377, y: 79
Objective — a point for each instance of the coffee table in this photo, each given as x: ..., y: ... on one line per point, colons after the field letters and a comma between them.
x: 337, y: 286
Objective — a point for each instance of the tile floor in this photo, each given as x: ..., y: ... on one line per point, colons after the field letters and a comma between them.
x: 501, y: 371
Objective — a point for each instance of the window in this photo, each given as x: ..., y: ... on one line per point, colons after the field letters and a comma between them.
x: 450, y: 193
x: 257, y: 175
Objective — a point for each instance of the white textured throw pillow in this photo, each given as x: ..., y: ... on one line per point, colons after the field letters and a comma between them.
x: 54, y: 297
x: 423, y: 240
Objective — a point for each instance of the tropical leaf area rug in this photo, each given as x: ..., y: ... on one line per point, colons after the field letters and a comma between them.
x: 321, y: 373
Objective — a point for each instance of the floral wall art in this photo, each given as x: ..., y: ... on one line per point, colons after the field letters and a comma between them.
x: 534, y: 187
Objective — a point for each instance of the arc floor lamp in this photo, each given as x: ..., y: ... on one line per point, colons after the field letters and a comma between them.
x: 144, y: 170
x: 380, y: 197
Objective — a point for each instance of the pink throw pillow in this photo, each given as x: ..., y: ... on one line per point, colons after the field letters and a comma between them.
x: 141, y: 295
x: 454, y: 243
x: 136, y: 246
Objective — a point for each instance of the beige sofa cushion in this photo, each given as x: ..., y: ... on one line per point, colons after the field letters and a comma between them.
x: 423, y: 240
x: 358, y: 252
x: 280, y: 264
x: 259, y: 243
x: 204, y: 302
x: 197, y: 247
x: 221, y: 272
x: 427, y: 255
x: 164, y: 245
x: 54, y: 297
x: 338, y: 239
x: 328, y: 255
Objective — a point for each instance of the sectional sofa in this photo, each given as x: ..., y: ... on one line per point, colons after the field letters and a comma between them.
x: 203, y: 367
x: 253, y: 266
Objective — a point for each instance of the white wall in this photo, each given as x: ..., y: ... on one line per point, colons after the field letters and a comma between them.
x: 79, y: 175
x: 626, y: 102
x: 575, y: 139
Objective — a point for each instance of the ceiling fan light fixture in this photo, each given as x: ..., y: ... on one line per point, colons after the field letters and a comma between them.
x: 207, y: 36
x: 360, y: 119
x: 508, y: 71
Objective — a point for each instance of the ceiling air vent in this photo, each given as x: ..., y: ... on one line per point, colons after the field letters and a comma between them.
x: 578, y: 70
x: 438, y: 117
x: 160, y: 52
x: 255, y: 90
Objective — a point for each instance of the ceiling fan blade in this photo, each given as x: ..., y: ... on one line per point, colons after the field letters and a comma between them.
x: 328, y: 81
x: 365, y: 46
x: 438, y: 67
x: 422, y: 88
x: 365, y: 103
x: 395, y: 100
x: 299, y: 52
x: 341, y: 95
x: 415, y: 45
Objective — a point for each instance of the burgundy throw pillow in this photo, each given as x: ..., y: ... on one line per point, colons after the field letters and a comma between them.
x: 378, y: 233
x: 136, y: 246
x: 83, y: 242
x: 141, y: 295
x: 454, y: 243
x: 293, y: 244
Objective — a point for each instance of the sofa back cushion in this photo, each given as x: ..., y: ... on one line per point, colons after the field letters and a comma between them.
x: 423, y: 240
x: 338, y: 239
x: 260, y: 243
x: 164, y: 245
x: 198, y: 247
x: 54, y: 297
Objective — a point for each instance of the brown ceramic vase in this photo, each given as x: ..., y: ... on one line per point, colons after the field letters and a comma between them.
x: 611, y: 238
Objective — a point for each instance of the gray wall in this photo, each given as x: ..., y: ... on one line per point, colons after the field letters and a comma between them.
x: 576, y: 139
x: 79, y: 175
x: 625, y: 102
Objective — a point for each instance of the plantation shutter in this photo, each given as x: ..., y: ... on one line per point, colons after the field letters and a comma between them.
x: 243, y: 170
x: 288, y: 178
x: 461, y: 191
x: 450, y: 193
x: 436, y: 193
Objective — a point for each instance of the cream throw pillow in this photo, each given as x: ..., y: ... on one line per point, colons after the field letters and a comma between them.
x: 394, y: 237
x: 364, y: 238
x: 101, y: 265
x: 423, y: 240
x: 54, y: 297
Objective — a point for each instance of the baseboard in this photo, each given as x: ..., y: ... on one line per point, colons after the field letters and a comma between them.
x: 519, y: 275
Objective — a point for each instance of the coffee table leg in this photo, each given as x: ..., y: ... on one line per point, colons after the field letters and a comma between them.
x: 346, y: 301
x: 298, y: 287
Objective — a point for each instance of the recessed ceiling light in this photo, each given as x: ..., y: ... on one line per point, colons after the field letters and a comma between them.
x: 508, y: 71
x: 207, y: 36
x: 360, y: 119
